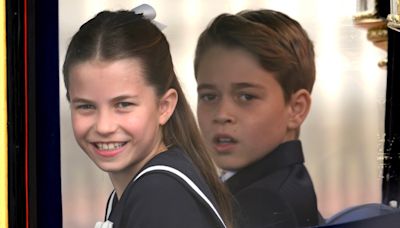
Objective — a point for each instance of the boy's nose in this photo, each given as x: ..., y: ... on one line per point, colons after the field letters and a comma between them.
x: 224, y: 113
x: 106, y: 123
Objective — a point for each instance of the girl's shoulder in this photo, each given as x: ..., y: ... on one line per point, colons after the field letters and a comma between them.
x: 162, y: 192
x: 176, y: 159
x: 173, y: 156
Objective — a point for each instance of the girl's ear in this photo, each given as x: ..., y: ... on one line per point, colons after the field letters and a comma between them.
x: 299, y: 106
x: 167, y: 105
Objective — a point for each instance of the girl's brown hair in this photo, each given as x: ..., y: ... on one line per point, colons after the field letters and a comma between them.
x: 119, y: 35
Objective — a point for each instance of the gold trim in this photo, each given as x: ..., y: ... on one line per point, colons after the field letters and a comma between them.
x: 368, y: 19
x: 383, y: 63
x: 377, y: 34
x: 365, y: 15
x: 383, y: 45
x: 3, y: 120
x: 393, y: 22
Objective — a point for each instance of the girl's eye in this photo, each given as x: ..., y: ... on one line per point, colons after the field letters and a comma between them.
x: 124, y: 104
x: 207, y: 97
x: 85, y: 107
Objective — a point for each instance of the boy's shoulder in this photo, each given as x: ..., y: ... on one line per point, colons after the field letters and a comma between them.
x: 277, y: 183
x: 259, y: 207
x: 272, y: 169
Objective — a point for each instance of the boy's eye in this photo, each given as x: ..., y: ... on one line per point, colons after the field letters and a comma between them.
x: 246, y: 97
x: 207, y: 97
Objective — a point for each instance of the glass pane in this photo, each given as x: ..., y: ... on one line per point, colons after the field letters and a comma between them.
x: 342, y: 136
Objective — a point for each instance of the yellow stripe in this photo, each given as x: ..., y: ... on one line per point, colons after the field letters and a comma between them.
x: 3, y: 119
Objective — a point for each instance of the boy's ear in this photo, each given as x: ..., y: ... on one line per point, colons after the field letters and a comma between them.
x: 299, y: 105
x: 167, y: 105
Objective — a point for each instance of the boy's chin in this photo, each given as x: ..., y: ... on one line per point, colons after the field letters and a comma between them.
x: 232, y: 163
x: 229, y: 164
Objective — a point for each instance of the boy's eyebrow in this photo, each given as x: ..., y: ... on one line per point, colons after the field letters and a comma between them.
x: 205, y: 86
x: 242, y: 85
x: 237, y: 85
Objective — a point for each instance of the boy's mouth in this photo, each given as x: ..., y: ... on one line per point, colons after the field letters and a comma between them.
x: 224, y: 139
x: 223, y: 144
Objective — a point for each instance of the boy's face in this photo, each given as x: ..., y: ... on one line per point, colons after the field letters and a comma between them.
x: 115, y: 114
x: 241, y: 108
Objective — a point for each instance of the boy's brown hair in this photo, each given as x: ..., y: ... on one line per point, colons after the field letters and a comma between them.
x: 278, y: 42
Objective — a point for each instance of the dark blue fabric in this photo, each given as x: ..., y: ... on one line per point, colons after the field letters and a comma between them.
x: 49, y: 210
x: 366, y: 215
x: 275, y: 191
x: 161, y: 199
x: 360, y: 212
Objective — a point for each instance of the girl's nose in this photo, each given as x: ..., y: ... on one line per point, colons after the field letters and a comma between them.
x: 106, y: 123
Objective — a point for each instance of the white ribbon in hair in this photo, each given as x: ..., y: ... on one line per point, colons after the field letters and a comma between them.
x: 149, y: 13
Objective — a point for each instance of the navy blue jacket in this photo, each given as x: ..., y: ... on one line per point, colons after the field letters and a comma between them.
x: 275, y: 191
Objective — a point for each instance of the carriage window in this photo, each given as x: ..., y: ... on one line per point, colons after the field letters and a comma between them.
x: 342, y: 137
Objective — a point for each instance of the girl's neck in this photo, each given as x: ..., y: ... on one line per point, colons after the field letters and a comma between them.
x: 122, y: 178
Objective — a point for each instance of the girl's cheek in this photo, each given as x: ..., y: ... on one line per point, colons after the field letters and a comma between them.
x: 80, y: 125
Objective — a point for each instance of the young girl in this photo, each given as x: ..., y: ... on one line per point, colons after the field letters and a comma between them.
x: 131, y: 118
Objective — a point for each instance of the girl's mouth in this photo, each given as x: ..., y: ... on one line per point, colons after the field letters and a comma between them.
x: 110, y: 149
x: 109, y: 146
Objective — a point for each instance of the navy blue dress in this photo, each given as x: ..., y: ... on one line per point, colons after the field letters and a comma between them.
x: 162, y: 199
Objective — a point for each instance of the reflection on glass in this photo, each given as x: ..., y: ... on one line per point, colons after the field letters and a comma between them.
x: 365, y: 5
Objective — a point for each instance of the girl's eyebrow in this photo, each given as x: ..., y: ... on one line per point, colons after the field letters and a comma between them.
x: 80, y: 100
x: 124, y: 97
x: 115, y: 99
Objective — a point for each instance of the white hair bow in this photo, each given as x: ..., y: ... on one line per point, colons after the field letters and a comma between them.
x: 149, y: 13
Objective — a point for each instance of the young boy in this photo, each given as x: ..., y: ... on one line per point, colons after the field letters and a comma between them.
x: 255, y: 71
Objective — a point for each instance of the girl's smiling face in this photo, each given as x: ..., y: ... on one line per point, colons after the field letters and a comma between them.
x: 116, y: 114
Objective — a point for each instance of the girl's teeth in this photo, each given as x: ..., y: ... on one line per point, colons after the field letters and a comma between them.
x: 108, y: 146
